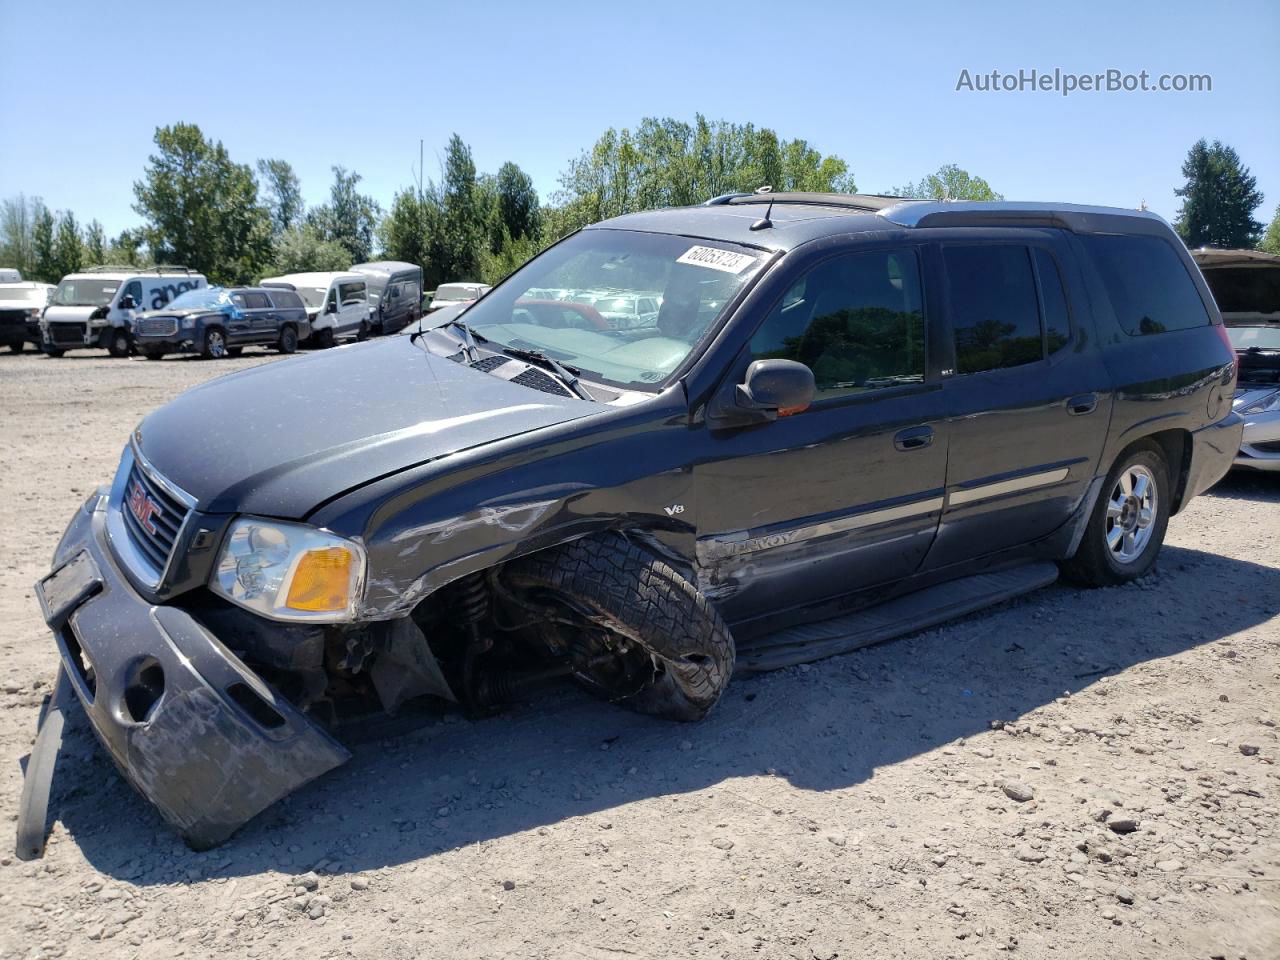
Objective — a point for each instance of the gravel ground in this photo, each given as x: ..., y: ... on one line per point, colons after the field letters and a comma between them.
x: 1074, y: 774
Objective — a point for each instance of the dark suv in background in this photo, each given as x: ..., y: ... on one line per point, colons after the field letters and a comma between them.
x: 850, y: 417
x: 218, y: 322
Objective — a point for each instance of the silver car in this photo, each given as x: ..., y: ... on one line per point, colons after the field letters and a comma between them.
x: 1246, y: 284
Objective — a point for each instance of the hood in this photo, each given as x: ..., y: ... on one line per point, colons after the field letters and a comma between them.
x: 280, y: 439
x: 61, y: 314
x: 24, y: 305
x: 170, y: 312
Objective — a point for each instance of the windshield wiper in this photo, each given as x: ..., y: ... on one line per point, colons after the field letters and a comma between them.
x: 469, y: 337
x: 566, y: 374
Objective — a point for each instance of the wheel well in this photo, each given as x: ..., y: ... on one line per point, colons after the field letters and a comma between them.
x: 1176, y: 446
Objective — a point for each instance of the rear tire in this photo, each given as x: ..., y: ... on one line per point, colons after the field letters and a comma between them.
x: 214, y: 345
x: 16, y: 347
x: 288, y: 340
x: 53, y: 352
x: 1125, y: 532
x: 234, y: 351
x: 668, y: 639
x: 362, y: 333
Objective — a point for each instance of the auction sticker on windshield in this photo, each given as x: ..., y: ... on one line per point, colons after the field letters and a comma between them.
x: 722, y: 260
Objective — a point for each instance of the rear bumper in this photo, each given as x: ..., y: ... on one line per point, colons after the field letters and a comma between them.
x: 190, y: 726
x: 1213, y: 450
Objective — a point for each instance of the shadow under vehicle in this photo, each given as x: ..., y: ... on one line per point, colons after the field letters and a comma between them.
x: 851, y: 418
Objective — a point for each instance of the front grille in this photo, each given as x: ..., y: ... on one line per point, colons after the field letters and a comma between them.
x: 66, y: 332
x: 157, y: 326
x: 13, y: 317
x: 537, y: 380
x: 166, y: 517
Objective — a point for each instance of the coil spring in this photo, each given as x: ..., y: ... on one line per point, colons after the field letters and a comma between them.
x: 473, y: 599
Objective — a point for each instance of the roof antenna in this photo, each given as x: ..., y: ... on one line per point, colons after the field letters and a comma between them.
x: 764, y: 223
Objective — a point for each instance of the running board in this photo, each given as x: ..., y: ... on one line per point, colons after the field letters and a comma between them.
x: 907, y: 614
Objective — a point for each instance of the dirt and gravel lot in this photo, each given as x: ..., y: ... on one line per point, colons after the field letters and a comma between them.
x: 1074, y: 774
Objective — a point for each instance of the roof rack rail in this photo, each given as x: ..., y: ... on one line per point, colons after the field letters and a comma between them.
x: 157, y: 268
x: 1008, y: 213
x: 862, y: 202
x: 722, y: 199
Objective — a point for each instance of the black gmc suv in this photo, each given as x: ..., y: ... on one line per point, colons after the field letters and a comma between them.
x: 847, y: 417
x: 217, y: 322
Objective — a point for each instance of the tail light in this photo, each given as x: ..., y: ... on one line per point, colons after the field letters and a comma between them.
x: 1221, y: 330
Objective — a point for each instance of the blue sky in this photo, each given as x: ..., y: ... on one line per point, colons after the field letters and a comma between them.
x: 85, y: 84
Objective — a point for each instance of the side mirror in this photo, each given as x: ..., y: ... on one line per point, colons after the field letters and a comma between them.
x: 778, y: 387
x: 128, y: 303
x: 330, y: 307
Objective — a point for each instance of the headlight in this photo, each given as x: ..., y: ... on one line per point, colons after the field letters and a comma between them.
x: 290, y: 571
x: 188, y: 322
x: 1270, y: 402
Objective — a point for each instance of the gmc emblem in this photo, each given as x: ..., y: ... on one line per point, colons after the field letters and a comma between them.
x: 143, y: 507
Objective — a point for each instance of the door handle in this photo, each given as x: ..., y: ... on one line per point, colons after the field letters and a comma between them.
x: 913, y: 438
x: 1078, y: 406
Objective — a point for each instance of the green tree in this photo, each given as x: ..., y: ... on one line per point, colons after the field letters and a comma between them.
x: 517, y: 201
x: 17, y: 225
x: 201, y: 208
x: 1218, y: 199
x: 68, y: 249
x: 668, y: 162
x: 949, y: 183
x: 455, y: 247
x: 282, y: 194
x: 406, y: 230
x: 127, y: 248
x: 304, y: 249
x: 1270, y: 242
x: 44, y: 263
x: 349, y: 218
x: 95, y: 244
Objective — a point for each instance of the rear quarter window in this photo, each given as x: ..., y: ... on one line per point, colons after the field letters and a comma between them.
x: 286, y: 300
x: 1147, y: 283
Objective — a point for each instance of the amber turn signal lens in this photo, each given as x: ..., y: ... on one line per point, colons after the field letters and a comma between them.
x: 322, y: 582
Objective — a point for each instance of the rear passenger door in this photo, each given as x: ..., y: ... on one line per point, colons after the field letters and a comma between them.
x: 1026, y: 393
x: 261, y: 315
x: 353, y: 306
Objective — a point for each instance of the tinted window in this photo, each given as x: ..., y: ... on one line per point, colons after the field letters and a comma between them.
x: 856, y: 321
x: 995, y: 314
x: 286, y: 299
x: 256, y: 301
x: 1149, y: 287
x: 350, y: 292
x: 133, y: 289
x: 1057, y: 325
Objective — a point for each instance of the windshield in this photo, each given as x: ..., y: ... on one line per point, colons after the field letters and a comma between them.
x: 456, y: 291
x: 85, y: 292
x: 312, y: 296
x: 33, y: 295
x: 1264, y: 338
x: 1245, y: 289
x: 599, y: 327
x: 199, y: 299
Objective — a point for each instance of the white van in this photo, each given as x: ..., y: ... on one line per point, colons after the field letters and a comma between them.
x: 10, y: 275
x: 452, y: 294
x: 95, y: 307
x: 337, y: 304
x: 21, y: 304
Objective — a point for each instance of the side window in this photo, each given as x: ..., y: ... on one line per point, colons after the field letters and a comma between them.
x: 134, y: 289
x: 1057, y: 324
x: 857, y: 321
x: 1147, y: 284
x: 256, y: 301
x: 995, y: 314
x: 394, y: 292
x: 332, y: 299
x: 350, y: 293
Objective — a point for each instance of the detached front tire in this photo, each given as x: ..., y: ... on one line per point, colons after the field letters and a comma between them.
x: 648, y: 639
x: 1129, y: 520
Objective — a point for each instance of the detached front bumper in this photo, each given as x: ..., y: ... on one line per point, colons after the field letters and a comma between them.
x: 190, y: 726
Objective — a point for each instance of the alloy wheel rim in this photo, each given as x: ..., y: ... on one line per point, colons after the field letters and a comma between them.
x: 1131, y: 513
x: 216, y: 346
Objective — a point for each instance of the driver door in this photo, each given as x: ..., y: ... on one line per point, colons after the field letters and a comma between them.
x: 847, y: 494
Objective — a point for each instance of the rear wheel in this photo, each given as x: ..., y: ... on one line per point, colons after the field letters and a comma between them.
x: 288, y: 340
x: 214, y: 346
x: 1128, y: 524
x: 53, y: 352
x: 363, y: 332
x: 16, y: 347
x: 638, y: 632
